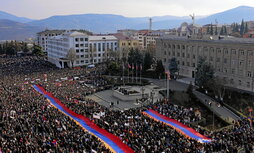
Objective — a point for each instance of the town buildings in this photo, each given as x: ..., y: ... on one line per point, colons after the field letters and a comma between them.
x: 42, y: 37
x: 125, y: 44
x: 102, y: 48
x: 69, y: 49
x: 231, y: 58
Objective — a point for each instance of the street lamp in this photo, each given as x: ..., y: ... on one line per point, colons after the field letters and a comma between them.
x: 152, y: 95
x: 142, y: 91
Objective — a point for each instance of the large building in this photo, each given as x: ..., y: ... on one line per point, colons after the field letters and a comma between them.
x: 42, y: 37
x: 125, y: 43
x: 232, y: 58
x: 69, y: 49
x: 103, y: 48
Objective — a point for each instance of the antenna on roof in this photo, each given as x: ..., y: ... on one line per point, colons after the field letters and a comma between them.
x: 150, y: 24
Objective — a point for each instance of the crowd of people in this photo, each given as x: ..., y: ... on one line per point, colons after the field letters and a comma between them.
x: 28, y: 123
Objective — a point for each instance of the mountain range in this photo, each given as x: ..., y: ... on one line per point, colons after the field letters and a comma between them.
x: 108, y: 23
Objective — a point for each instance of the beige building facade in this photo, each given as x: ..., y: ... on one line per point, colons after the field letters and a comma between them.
x: 231, y: 58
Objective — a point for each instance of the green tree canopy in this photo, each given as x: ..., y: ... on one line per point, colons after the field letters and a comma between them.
x: 148, y: 61
x: 135, y: 57
x: 173, y: 66
x: 204, y: 73
x: 159, y: 70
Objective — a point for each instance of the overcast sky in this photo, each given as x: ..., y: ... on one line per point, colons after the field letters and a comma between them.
x: 38, y: 9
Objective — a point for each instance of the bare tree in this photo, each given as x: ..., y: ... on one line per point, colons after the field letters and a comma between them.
x: 71, y: 55
x: 218, y: 86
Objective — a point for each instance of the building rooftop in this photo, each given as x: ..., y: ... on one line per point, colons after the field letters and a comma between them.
x: 220, y: 39
x: 120, y: 36
x: 102, y: 37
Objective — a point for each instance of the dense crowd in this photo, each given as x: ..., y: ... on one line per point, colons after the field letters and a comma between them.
x: 28, y: 123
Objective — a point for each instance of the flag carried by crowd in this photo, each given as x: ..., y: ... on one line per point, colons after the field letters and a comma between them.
x: 181, y: 128
x: 109, y: 140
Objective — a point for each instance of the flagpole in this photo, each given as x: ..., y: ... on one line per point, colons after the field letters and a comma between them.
x: 132, y: 72
x: 128, y: 74
x: 140, y: 73
x: 136, y: 73
x: 123, y: 73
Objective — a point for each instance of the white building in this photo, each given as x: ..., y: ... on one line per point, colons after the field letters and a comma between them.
x: 68, y: 50
x: 103, y: 47
x: 42, y: 37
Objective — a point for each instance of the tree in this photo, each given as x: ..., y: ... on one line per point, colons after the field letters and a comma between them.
x: 1, y: 49
x: 71, y: 55
x: 246, y: 28
x: 208, y: 30
x: 173, y: 66
x: 37, y: 50
x: 211, y: 29
x: 217, y: 85
x: 204, y: 73
x: 113, y: 68
x: 135, y: 57
x: 148, y: 61
x: 159, y: 70
x: 216, y: 30
x: 242, y: 28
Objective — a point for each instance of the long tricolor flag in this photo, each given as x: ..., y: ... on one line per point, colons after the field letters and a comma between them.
x: 181, y: 128
x: 109, y: 140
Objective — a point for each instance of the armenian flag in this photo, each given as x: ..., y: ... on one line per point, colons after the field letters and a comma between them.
x: 110, y: 141
x: 180, y: 127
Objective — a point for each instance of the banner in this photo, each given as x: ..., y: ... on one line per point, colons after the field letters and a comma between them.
x: 110, y: 141
x: 180, y: 127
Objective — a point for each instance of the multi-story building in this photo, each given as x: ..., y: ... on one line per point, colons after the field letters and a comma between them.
x: 103, y: 47
x: 69, y: 49
x: 125, y: 43
x: 231, y: 58
x: 42, y: 37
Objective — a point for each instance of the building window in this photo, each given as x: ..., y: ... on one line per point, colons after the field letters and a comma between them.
x: 233, y: 71
x: 241, y: 52
x: 76, y: 39
x: 211, y: 59
x: 81, y: 39
x: 248, y: 84
x: 188, y: 55
x: 183, y: 55
x: 193, y: 65
x: 225, y: 51
x: 165, y: 60
x: 86, y: 39
x: 239, y: 82
x: 225, y: 70
x: 178, y: 54
x: 77, y: 56
x: 77, y: 45
x: 218, y: 59
x: 194, y: 56
x: 81, y: 50
x: 183, y: 63
x: 77, y: 62
x: 82, y: 61
x: 241, y: 63
x: 165, y: 53
x: 77, y: 50
x: 82, y: 56
x: 188, y: 63
x: 233, y: 51
x: 248, y: 74
x: 225, y: 61
x: 81, y: 45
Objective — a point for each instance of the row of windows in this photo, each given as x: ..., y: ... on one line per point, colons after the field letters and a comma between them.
x: 81, y: 39
x: 81, y: 45
x: 205, y: 49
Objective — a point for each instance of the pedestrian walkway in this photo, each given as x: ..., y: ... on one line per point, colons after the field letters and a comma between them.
x: 214, y: 106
